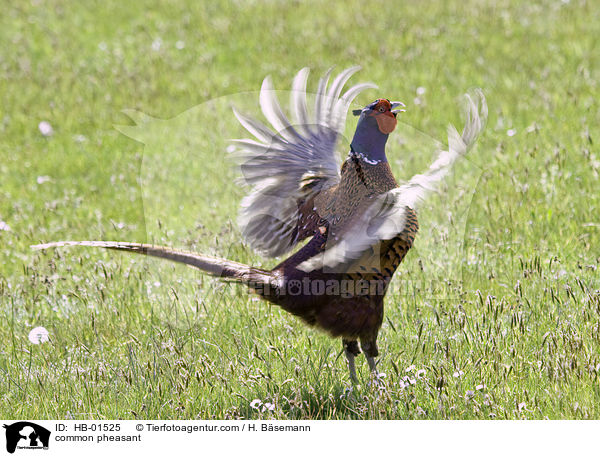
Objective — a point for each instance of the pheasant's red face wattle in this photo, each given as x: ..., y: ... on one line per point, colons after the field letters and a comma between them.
x: 386, y: 122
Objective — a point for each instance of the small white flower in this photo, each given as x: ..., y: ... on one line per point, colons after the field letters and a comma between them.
x: 45, y: 128
x: 458, y: 373
x: 256, y: 403
x: 180, y: 45
x: 421, y: 373
x: 531, y: 128
x: 469, y: 394
x: 38, y: 335
x: 410, y: 368
x: 168, y: 345
x: 421, y: 91
x: 43, y: 179
x: 479, y: 387
x: 4, y: 226
x: 156, y: 44
x: 269, y: 406
x: 409, y: 380
x: 511, y: 132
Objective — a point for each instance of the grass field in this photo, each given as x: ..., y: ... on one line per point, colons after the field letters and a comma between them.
x: 494, y: 314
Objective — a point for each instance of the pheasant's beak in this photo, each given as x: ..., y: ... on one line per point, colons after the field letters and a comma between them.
x: 396, y: 105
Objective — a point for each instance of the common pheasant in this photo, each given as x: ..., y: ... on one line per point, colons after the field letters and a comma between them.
x: 359, y: 223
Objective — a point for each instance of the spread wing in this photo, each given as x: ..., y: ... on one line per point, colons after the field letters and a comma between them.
x: 386, y: 217
x: 289, y: 165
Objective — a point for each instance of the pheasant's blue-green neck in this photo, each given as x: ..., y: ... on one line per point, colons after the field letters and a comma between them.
x: 369, y: 142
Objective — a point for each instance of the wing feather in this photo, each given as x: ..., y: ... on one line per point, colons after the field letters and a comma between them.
x: 289, y: 164
x: 298, y: 98
x: 273, y: 112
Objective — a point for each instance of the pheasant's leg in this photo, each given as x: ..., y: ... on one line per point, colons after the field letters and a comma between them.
x: 372, y: 365
x: 371, y: 351
x: 351, y: 350
x: 351, y: 366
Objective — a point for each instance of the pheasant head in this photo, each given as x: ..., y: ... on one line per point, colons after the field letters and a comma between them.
x: 377, y: 120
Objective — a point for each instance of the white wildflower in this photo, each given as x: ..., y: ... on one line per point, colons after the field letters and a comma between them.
x: 45, y: 128
x: 39, y: 335
x: 156, y: 44
x: 269, y: 406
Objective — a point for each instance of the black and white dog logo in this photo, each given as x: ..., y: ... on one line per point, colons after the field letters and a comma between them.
x: 26, y: 435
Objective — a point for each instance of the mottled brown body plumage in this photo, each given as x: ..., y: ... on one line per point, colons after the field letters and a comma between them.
x: 358, y: 314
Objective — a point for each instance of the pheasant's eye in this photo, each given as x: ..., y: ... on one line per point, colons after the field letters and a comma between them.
x: 381, y: 109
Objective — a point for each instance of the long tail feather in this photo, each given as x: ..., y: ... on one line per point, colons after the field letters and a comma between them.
x: 216, y: 267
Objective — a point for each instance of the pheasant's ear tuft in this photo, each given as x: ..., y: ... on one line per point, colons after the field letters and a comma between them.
x: 357, y: 112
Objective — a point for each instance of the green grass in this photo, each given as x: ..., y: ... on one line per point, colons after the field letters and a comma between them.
x: 495, y: 312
